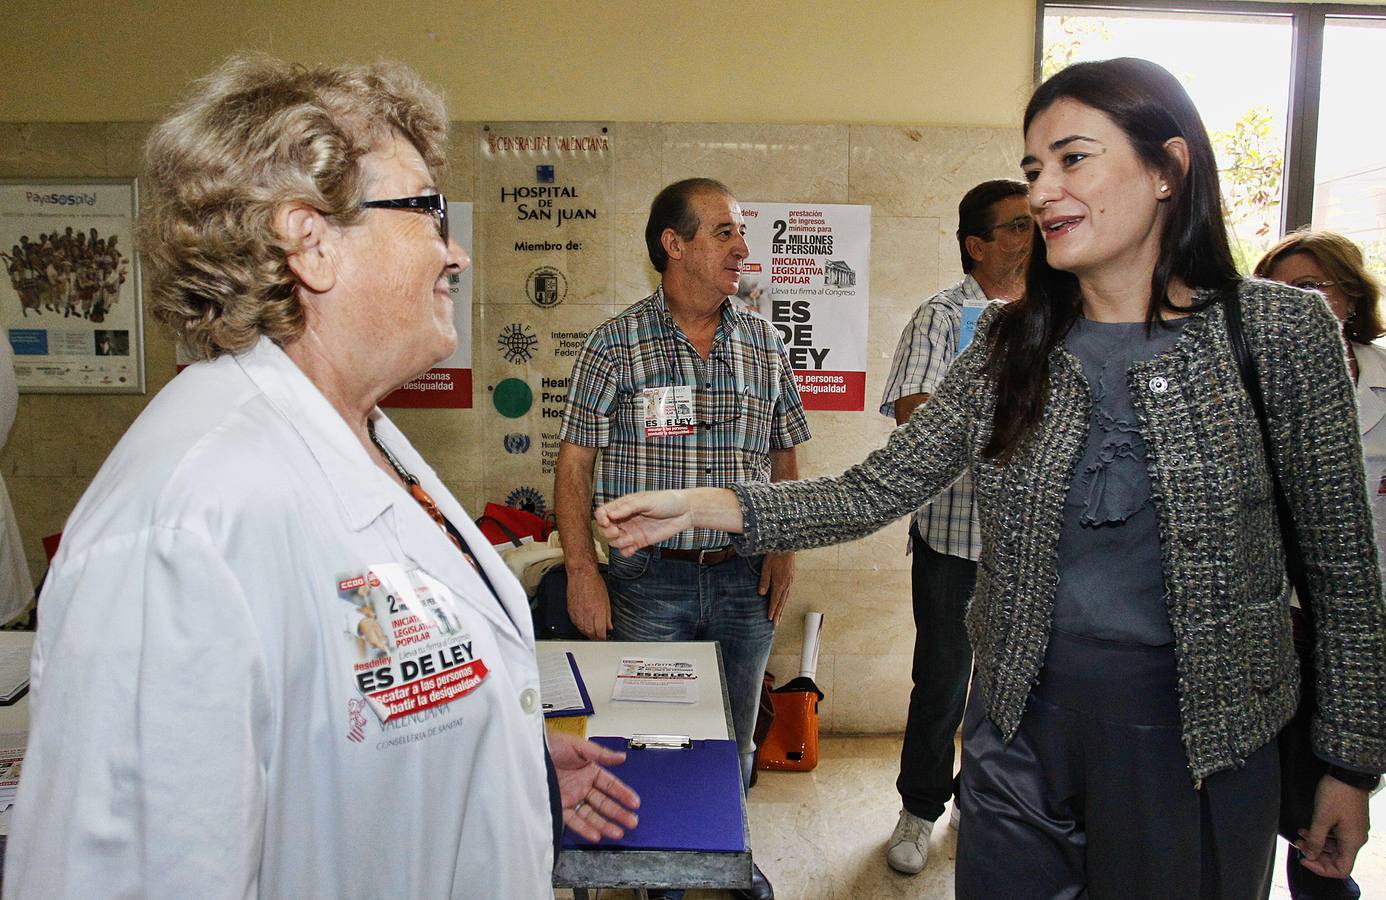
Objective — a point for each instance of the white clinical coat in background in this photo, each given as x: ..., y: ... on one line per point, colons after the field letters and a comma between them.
x: 16, y: 587
x: 197, y: 726
x: 1371, y: 420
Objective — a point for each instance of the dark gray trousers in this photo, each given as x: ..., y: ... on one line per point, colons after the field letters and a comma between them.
x: 1093, y: 797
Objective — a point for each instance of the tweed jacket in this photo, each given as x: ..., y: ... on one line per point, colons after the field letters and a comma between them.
x: 1223, y: 562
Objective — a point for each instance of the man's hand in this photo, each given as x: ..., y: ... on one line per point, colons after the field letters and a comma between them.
x: 776, y: 577
x: 589, y: 606
x: 1338, y: 831
x: 595, y: 803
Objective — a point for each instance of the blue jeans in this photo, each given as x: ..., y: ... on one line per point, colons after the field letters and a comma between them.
x: 657, y: 599
x: 942, y: 586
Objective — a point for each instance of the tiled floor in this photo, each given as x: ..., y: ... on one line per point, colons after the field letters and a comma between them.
x: 821, y: 835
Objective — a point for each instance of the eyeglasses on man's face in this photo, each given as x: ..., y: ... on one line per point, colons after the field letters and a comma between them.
x: 435, y: 205
x: 1016, y: 227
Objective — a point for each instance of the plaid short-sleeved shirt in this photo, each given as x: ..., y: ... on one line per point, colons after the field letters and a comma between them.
x: 745, y: 404
x: 927, y: 347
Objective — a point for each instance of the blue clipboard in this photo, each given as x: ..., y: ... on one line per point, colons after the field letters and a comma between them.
x: 690, y: 798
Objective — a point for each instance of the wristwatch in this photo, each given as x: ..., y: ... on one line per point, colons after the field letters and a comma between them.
x: 1359, y: 780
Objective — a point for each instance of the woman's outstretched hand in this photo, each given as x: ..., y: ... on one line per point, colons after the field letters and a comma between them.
x: 640, y: 520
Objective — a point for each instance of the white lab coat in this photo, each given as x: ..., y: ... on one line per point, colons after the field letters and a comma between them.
x: 1371, y: 420
x: 192, y: 731
x: 16, y: 588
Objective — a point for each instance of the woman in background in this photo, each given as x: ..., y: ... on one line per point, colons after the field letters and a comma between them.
x: 1332, y: 265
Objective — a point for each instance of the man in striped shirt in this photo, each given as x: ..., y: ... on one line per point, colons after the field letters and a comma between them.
x: 683, y: 390
x: 994, y: 239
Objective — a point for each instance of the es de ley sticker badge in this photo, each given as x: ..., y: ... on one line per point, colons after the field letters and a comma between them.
x: 668, y: 410
x: 409, y: 649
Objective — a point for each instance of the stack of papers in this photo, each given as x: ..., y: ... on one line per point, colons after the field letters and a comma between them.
x: 11, y: 757
x: 15, y: 649
x: 656, y: 680
x: 560, y: 685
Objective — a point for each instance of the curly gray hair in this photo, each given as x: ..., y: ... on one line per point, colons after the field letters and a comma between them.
x: 252, y: 135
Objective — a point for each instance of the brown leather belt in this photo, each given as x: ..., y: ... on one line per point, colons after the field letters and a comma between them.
x: 711, y: 557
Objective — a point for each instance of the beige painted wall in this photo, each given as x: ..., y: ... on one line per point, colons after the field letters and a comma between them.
x: 88, y: 78
x: 874, y: 61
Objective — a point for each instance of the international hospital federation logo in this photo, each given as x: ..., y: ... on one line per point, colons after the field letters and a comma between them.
x: 517, y: 342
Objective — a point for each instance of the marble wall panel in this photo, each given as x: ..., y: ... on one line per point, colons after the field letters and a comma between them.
x: 125, y: 148
x: 875, y: 688
x: 769, y: 163
x: 915, y: 171
x: 632, y: 275
x: 639, y: 150
x: 459, y: 182
x: 52, y: 150
x: 581, y: 253
x: 908, y: 265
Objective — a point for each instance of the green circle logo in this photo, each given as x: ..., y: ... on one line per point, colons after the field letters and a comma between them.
x: 513, y: 398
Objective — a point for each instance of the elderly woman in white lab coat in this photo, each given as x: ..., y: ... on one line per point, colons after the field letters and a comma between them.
x: 276, y: 657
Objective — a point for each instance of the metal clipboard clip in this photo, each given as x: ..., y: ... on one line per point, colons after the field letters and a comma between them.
x: 660, y: 742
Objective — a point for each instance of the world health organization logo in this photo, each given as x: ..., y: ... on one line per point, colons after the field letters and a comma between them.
x: 517, y: 342
x: 515, y: 442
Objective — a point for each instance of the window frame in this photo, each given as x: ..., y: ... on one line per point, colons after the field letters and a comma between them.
x: 1307, y: 21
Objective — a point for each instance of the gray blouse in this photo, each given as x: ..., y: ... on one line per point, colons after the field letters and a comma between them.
x: 1111, y: 583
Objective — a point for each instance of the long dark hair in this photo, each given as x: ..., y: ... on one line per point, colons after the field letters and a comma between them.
x: 1150, y: 106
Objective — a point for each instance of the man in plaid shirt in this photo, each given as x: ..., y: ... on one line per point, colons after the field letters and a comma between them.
x: 994, y: 238
x: 683, y: 390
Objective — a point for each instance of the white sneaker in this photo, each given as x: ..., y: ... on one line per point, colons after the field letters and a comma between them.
x: 908, y: 849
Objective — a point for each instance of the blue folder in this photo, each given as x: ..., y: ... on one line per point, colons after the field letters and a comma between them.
x: 690, y: 799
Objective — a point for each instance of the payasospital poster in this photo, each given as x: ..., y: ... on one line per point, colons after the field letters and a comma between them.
x: 70, y: 301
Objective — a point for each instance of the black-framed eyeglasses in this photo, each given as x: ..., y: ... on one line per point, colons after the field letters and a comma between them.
x: 435, y: 205
x: 1017, y: 226
x: 1313, y: 284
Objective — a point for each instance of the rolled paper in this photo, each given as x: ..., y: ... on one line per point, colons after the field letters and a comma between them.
x: 808, y: 659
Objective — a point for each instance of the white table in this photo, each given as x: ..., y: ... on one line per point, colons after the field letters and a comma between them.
x: 709, y: 718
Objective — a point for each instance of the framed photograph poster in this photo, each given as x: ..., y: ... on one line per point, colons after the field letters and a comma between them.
x: 70, y: 296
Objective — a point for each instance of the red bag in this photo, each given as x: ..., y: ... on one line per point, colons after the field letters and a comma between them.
x: 500, y: 523
x: 792, y: 744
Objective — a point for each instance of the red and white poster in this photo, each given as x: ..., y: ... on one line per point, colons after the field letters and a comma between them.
x: 809, y: 273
